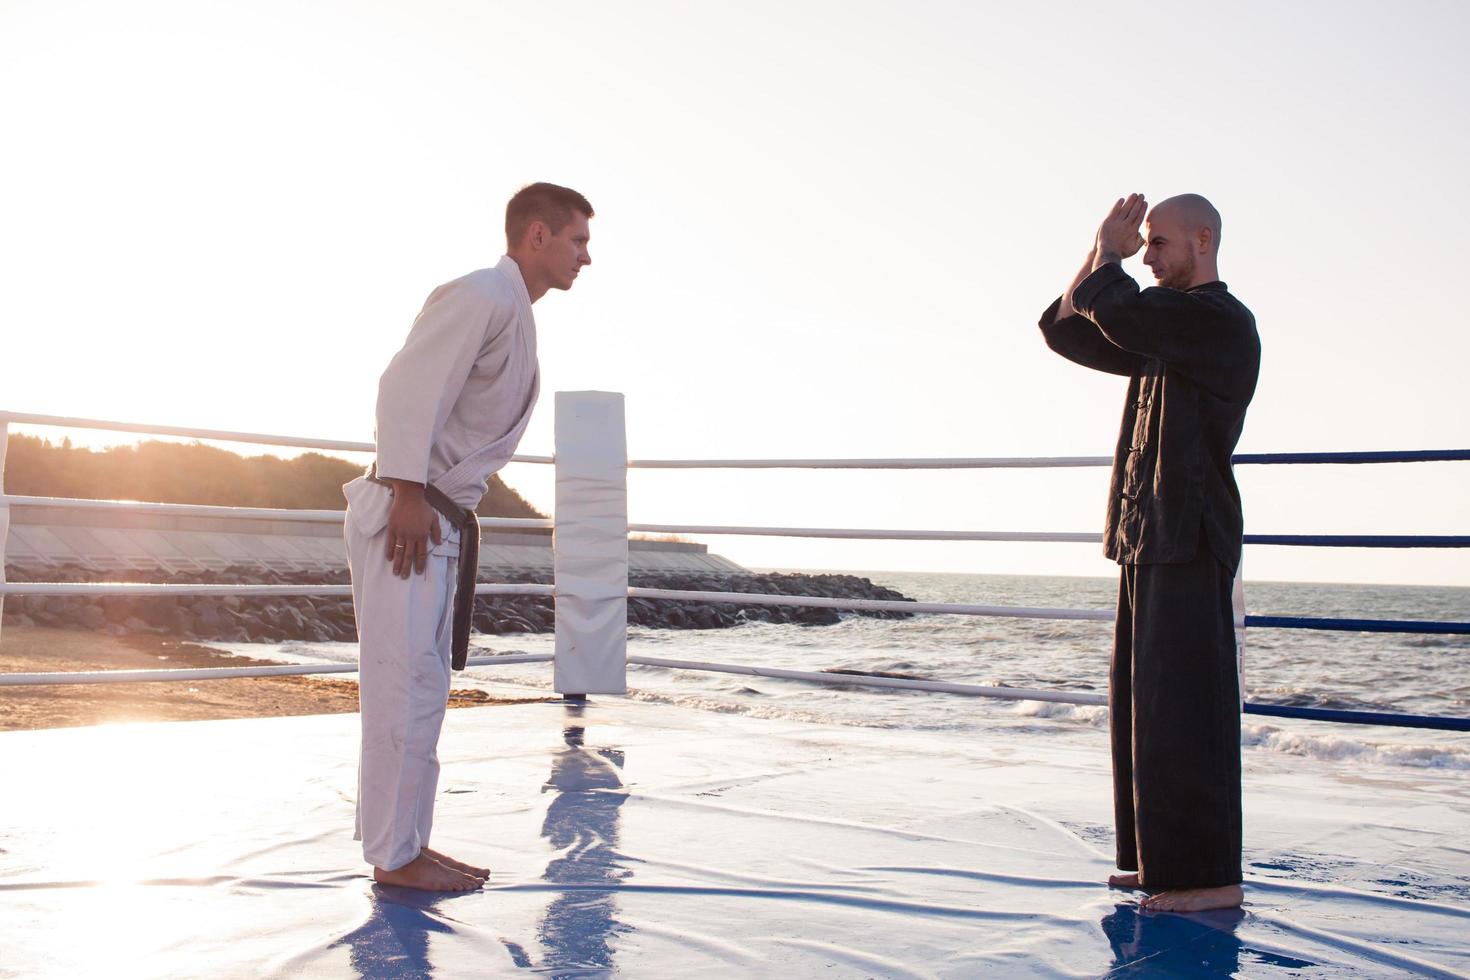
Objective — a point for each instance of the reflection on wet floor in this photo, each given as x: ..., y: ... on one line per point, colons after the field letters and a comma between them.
x: 1199, y: 945
x: 582, y: 823
x: 394, y: 941
x: 577, y: 929
x: 1202, y: 944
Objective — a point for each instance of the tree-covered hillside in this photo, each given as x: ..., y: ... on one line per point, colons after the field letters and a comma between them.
x: 193, y: 473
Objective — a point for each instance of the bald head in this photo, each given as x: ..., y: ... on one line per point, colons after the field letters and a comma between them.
x: 1183, y: 239
x: 1189, y: 213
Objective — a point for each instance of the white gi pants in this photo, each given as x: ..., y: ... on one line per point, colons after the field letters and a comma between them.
x: 403, y: 628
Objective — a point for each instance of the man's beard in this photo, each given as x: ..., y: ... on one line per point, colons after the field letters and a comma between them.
x: 1181, y: 276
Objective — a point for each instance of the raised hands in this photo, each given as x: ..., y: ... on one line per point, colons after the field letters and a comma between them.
x: 1117, y: 236
x: 1117, y: 239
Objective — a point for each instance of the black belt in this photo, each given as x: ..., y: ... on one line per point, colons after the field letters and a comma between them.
x: 469, y: 563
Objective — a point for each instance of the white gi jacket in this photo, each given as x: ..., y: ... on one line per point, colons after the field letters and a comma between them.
x: 454, y: 402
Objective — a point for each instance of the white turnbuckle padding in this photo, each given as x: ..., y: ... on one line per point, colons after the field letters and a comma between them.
x: 4, y: 507
x: 591, y: 543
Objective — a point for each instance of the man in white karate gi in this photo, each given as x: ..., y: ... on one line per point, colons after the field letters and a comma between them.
x: 452, y: 406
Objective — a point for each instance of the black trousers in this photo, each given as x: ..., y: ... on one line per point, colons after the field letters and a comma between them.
x: 1174, y: 707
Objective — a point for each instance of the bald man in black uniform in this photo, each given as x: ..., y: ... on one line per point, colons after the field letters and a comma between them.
x: 1190, y: 351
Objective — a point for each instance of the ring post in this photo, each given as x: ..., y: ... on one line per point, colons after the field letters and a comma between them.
x: 590, y: 544
x: 4, y: 507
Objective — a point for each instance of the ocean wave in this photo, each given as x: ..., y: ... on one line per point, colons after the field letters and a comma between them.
x: 1294, y: 697
x: 1094, y: 715
x: 1335, y: 748
x: 768, y: 712
x: 1269, y: 738
x: 1435, y: 642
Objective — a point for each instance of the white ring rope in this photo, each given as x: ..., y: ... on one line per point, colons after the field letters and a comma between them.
x: 869, y: 534
x: 218, y: 435
x: 534, y: 589
x: 250, y: 513
x: 889, y: 605
x: 181, y: 510
x: 876, y: 605
x: 826, y: 677
x: 916, y: 463
x: 539, y: 524
x: 247, y: 591
x: 223, y: 673
x: 342, y: 445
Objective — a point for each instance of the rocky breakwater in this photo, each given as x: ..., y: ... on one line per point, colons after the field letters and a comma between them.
x: 272, y: 619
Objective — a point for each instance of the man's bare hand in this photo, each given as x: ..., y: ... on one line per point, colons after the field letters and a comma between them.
x: 1118, y: 237
x: 412, y: 524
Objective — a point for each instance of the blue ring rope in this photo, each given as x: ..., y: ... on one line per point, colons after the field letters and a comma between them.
x: 1364, y: 540
x: 1439, y: 722
x: 1408, y: 456
x: 1358, y: 625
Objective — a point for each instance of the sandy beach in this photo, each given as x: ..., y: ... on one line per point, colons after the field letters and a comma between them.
x: 27, y: 649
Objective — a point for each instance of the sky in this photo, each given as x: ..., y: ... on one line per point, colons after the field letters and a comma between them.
x: 823, y: 229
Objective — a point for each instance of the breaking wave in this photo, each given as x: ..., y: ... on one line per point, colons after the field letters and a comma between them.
x: 1094, y: 715
x: 1270, y: 738
x: 1337, y: 748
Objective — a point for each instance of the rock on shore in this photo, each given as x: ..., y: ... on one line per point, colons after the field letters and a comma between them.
x: 241, y: 619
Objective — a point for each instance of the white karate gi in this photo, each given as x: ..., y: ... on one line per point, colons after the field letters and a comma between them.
x: 452, y: 406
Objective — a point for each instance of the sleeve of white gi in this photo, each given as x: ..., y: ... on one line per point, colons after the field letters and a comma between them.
x: 425, y: 378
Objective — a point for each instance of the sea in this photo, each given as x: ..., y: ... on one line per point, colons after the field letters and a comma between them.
x: 1383, y: 672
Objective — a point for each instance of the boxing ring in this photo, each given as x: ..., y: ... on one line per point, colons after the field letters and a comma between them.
x: 648, y: 839
x: 591, y: 478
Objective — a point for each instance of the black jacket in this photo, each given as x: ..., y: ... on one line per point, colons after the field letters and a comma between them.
x: 1192, y: 358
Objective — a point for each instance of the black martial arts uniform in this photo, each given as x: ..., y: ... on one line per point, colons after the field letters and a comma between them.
x: 1174, y: 524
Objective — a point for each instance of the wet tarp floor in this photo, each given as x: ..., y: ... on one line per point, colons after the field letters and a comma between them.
x: 649, y: 840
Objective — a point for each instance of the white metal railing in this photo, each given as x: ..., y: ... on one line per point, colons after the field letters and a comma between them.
x: 333, y: 516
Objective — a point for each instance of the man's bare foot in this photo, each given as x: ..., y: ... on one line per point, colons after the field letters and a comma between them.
x: 1129, y: 880
x: 460, y: 866
x: 426, y: 874
x: 1194, y: 899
